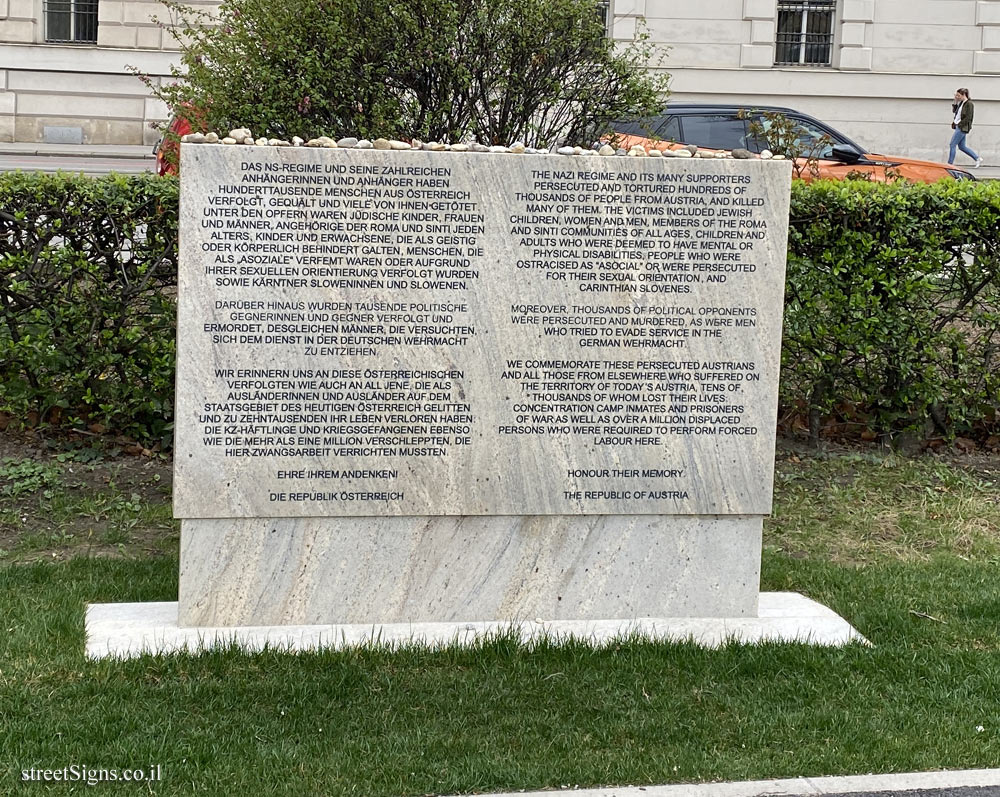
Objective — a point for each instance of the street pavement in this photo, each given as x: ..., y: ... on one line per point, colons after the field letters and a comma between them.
x: 89, y: 159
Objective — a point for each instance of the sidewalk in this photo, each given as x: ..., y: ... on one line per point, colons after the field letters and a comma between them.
x: 979, y: 782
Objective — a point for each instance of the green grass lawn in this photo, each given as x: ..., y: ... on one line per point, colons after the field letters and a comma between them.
x: 906, y: 550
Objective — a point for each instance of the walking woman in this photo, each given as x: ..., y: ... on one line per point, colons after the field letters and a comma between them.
x: 963, y: 110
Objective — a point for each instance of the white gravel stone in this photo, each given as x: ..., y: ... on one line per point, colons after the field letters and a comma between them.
x: 212, y: 138
x: 381, y: 143
x: 193, y: 138
x: 459, y: 147
x: 777, y: 157
x: 240, y: 133
x: 399, y: 145
x: 261, y: 142
x: 606, y: 150
x: 566, y: 151
x: 683, y: 153
x: 655, y: 153
x: 364, y: 144
x: 518, y: 148
x: 248, y: 141
x: 437, y: 146
x: 229, y: 140
x: 766, y: 154
x: 297, y: 141
x: 668, y: 153
x: 348, y: 142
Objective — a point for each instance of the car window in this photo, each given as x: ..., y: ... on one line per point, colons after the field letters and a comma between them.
x: 808, y: 134
x: 635, y: 127
x: 716, y: 130
x: 648, y: 128
x: 670, y: 130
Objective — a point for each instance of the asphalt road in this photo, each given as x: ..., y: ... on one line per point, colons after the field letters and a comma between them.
x: 69, y: 163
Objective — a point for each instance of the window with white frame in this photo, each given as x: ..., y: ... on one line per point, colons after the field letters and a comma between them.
x: 71, y: 21
x: 805, y: 32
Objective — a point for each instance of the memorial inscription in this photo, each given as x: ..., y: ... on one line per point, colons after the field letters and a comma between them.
x: 414, y: 333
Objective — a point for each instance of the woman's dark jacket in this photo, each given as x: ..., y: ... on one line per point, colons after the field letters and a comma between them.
x: 965, y: 120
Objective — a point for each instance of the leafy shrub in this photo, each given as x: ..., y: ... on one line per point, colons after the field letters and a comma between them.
x: 892, y: 309
x: 88, y: 272
x: 892, y: 305
x: 502, y: 70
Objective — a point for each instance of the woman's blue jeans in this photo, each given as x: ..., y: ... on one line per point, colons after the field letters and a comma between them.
x: 958, y: 140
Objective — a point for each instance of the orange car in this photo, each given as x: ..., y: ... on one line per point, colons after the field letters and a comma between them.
x: 728, y: 127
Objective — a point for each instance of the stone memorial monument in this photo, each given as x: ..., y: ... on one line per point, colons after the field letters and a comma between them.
x: 446, y: 387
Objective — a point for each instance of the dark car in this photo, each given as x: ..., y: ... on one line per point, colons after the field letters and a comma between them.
x: 728, y: 127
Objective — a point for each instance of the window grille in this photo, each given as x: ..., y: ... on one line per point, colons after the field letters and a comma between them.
x: 805, y: 32
x: 73, y: 21
x: 604, y: 13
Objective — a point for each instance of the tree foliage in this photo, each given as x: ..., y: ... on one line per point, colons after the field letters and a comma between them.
x: 538, y: 71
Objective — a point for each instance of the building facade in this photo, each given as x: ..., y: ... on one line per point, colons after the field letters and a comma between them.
x: 882, y: 71
x: 65, y: 70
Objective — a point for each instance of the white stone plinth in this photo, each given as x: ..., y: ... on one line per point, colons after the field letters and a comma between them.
x: 127, y: 630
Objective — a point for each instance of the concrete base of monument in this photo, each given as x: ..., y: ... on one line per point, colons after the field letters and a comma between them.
x: 127, y: 630
x: 378, y: 570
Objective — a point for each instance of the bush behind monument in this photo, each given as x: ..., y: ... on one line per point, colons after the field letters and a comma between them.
x: 892, y: 306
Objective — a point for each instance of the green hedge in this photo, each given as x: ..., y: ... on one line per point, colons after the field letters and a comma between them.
x: 892, y: 312
x: 892, y: 306
x: 88, y: 276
